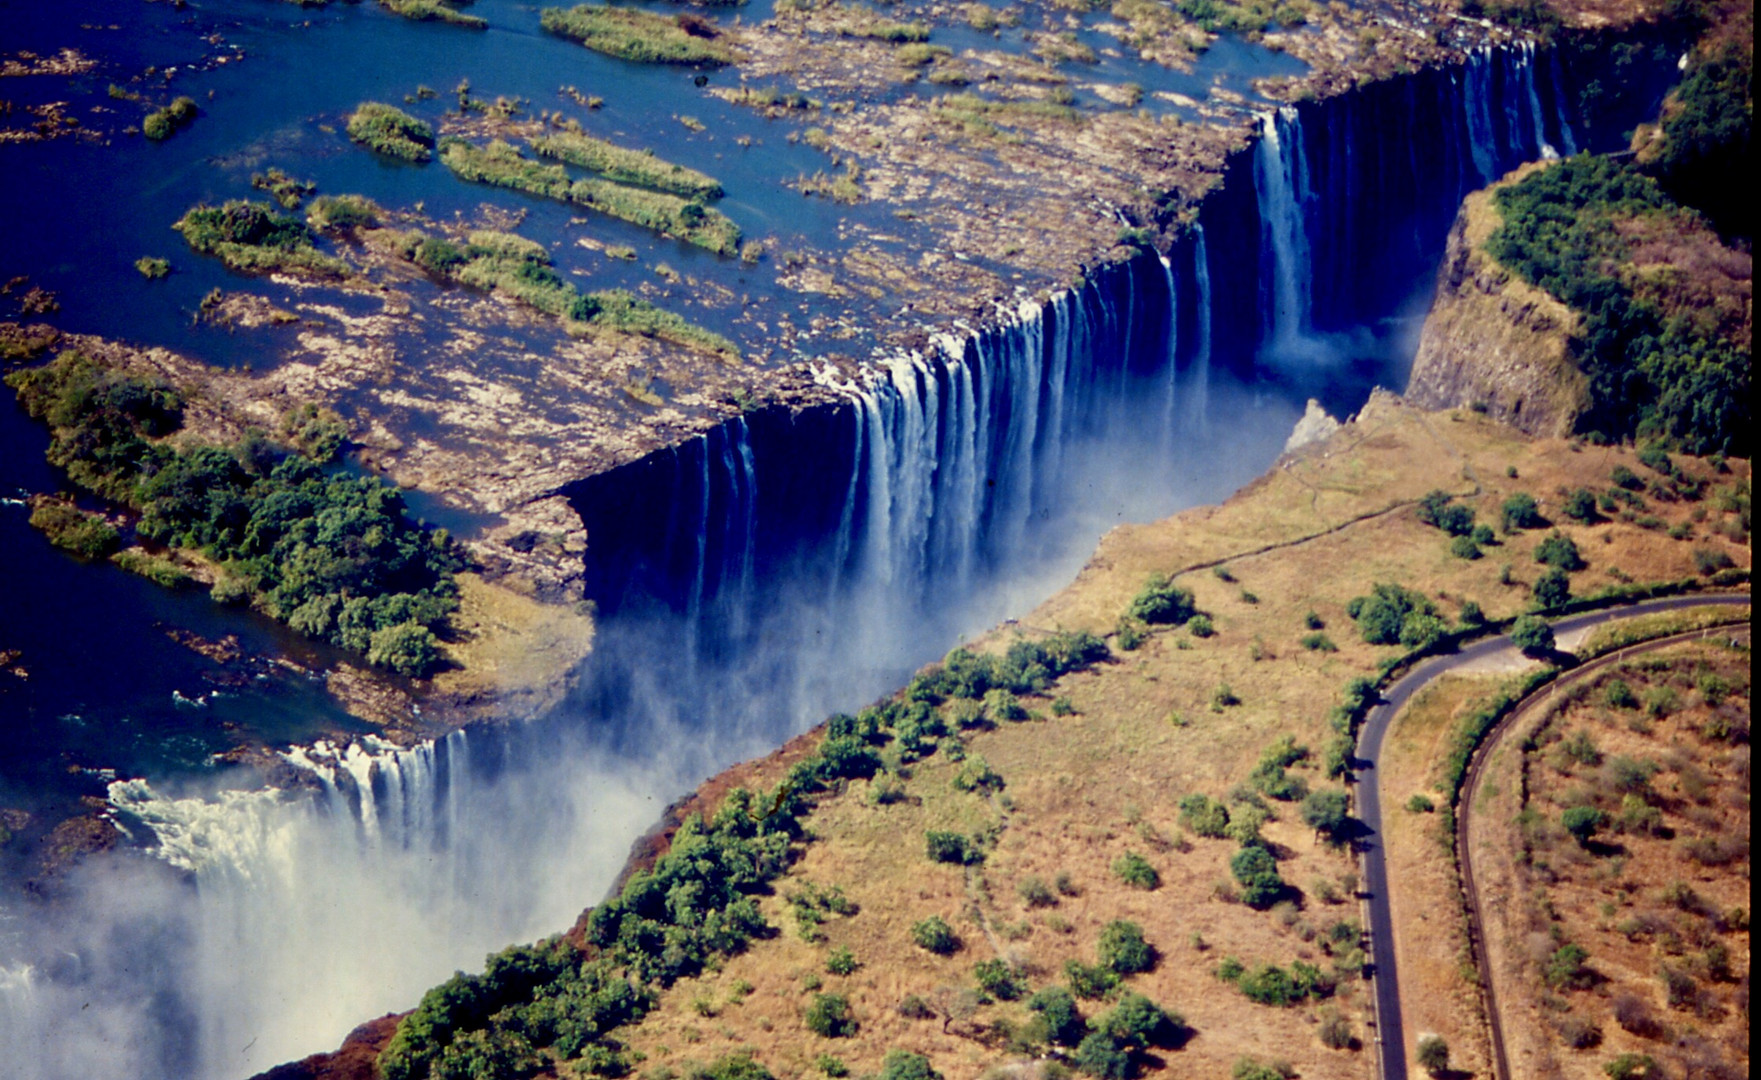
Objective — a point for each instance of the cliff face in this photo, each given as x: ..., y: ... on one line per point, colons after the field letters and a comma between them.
x: 1493, y: 341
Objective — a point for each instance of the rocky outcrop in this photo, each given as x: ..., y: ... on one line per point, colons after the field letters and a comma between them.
x: 1494, y: 343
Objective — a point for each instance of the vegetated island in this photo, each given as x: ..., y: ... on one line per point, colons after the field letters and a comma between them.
x: 1119, y: 846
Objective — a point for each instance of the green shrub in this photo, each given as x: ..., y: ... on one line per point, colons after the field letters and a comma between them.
x: 163, y: 123
x: 1257, y: 872
x: 1559, y: 551
x: 1552, y: 589
x: 1580, y: 505
x: 1123, y: 949
x: 1519, y: 512
x: 1134, y: 870
x: 935, y: 935
x: 998, y: 979
x: 436, y: 11
x: 1433, y: 1054
x: 1249, y: 1069
x: 1035, y: 893
x: 1325, y: 812
x: 388, y: 130
x: 1200, y: 625
x: 1463, y: 547
x: 841, y: 961
x: 1057, y: 1010
x: 1631, y: 1066
x: 830, y: 1017
x: 906, y: 1065
x: 344, y: 212
x: 1090, y: 982
x: 1160, y: 601
x: 71, y: 529
x: 1204, y: 816
x: 1319, y: 642
x: 1393, y: 615
x: 1436, y: 510
x: 1566, y: 970
x: 152, y: 268
x: 1532, y: 635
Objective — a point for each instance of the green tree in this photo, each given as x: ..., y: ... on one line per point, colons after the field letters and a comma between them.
x: 1557, y: 549
x: 1057, y: 1007
x: 1138, y: 1023
x: 831, y: 1017
x: 1325, y: 811
x: 1532, y: 635
x: 1519, y: 512
x: 998, y: 979
x: 1161, y: 601
x: 1135, y: 870
x: 1257, y: 872
x: 935, y: 935
x: 1123, y: 948
x: 1552, y: 589
x: 1566, y: 970
x: 1583, y: 822
x: 1099, y: 1055
x: 906, y: 1065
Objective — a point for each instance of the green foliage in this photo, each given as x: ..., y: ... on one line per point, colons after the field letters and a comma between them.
x: 1137, y: 1023
x: 1532, y: 635
x: 1200, y: 625
x: 1026, y: 667
x: 631, y: 34
x: 1580, y: 506
x: 830, y: 1017
x: 161, y: 124
x: 951, y: 847
x: 1099, y: 1055
x: 1520, y: 511
x: 501, y: 165
x: 1257, y: 872
x: 1318, y: 642
x: 1090, y: 982
x: 1652, y: 373
x: 1421, y: 804
x: 1707, y: 138
x: 71, y: 529
x: 1631, y: 1066
x: 1393, y: 615
x: 333, y: 556
x: 998, y: 979
x: 1552, y: 589
x: 1558, y: 549
x: 1464, y: 547
x: 625, y: 166
x: 252, y: 239
x: 157, y: 569
x: 152, y: 268
x: 1204, y: 816
x: 1160, y: 601
x: 1123, y: 949
x: 906, y: 1065
x: 841, y: 962
x: 1035, y: 893
x: 388, y: 130
x: 343, y: 212
x: 1436, y: 510
x: 1057, y: 1007
x: 1269, y: 776
x: 1135, y: 870
x: 435, y: 11
x: 935, y: 935
x: 831, y: 1066
x: 1325, y: 812
x: 1583, y: 822
x: 1565, y: 969
x: 1433, y: 1054
x: 287, y: 190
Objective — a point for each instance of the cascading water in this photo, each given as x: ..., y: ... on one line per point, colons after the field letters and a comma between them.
x: 781, y: 566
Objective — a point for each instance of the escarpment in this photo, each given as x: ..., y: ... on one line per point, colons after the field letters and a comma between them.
x: 1492, y: 341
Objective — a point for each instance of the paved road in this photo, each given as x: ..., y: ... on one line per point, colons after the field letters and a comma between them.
x: 1392, y: 1049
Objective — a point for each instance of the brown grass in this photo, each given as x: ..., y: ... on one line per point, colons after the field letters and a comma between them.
x: 1613, y: 898
x: 1083, y: 789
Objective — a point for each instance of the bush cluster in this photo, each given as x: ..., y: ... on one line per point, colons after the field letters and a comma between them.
x: 631, y: 34
x: 1652, y: 372
x: 163, y: 123
x: 1394, y: 615
x: 388, y: 130
x: 1026, y: 667
x: 331, y: 555
x: 252, y: 238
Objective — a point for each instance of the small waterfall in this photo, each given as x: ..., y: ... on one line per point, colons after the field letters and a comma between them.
x: 1526, y: 74
x: 1198, y: 415
x: 1477, y: 102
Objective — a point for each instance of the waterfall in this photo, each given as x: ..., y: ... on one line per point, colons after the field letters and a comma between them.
x: 1281, y: 178
x: 1526, y: 70
x: 787, y: 563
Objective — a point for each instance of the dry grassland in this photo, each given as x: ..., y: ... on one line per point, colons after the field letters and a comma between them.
x: 1082, y: 790
x: 1657, y: 898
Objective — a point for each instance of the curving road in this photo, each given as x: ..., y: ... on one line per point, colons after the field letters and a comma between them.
x: 1391, y: 1046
